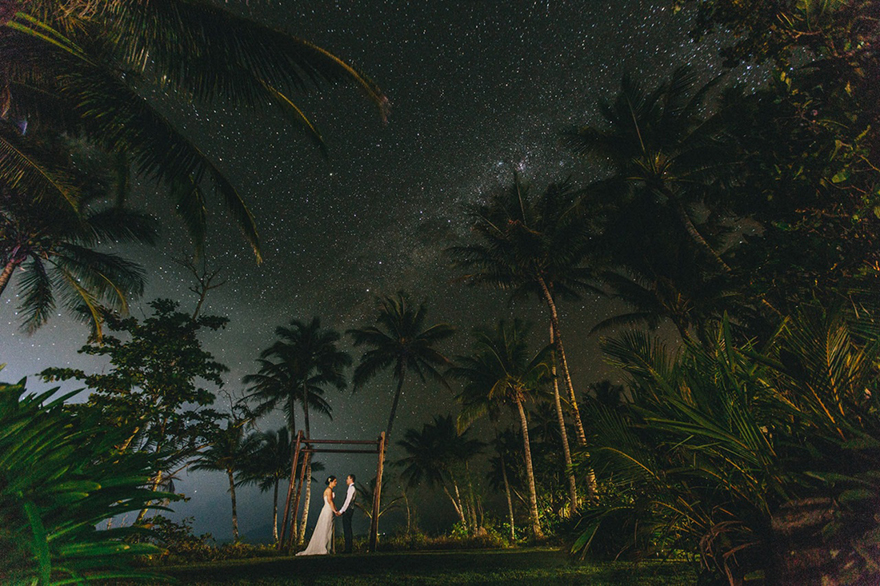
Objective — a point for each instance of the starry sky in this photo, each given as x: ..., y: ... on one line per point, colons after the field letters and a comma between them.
x: 478, y: 89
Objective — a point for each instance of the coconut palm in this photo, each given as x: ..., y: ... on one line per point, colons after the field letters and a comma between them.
x: 269, y: 463
x: 502, y: 471
x: 56, y: 244
x: 310, y: 359
x: 400, y: 341
x: 368, y: 494
x: 90, y: 69
x: 432, y: 456
x: 534, y: 245
x: 501, y: 371
x: 229, y: 450
x: 662, y: 149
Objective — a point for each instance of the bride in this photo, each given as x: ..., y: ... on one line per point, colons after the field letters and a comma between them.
x: 319, y: 544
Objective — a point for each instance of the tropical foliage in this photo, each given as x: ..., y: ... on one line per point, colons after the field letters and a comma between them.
x: 62, y: 474
x: 741, y: 453
x: 437, y: 456
x: 155, y: 390
x: 54, y: 244
x: 87, y: 68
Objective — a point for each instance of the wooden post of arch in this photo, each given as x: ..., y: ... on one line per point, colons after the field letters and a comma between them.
x: 284, y: 520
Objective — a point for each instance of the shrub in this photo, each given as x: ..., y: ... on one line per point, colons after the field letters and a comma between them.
x: 61, y: 477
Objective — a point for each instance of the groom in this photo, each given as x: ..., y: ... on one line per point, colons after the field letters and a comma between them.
x: 347, y: 511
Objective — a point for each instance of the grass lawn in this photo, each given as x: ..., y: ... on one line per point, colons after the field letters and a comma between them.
x: 541, y: 566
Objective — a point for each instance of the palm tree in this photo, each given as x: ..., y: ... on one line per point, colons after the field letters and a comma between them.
x: 227, y: 453
x: 310, y: 357
x: 501, y: 371
x: 268, y: 465
x: 432, y: 455
x: 500, y: 471
x: 368, y: 492
x: 84, y: 68
x: 662, y: 149
x: 534, y: 246
x: 56, y: 244
x: 401, y: 341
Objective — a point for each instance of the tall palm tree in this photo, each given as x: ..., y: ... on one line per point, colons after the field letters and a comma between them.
x: 87, y: 68
x: 501, y: 471
x: 663, y: 149
x: 312, y: 360
x: 400, y: 341
x: 501, y: 371
x: 534, y: 245
x: 268, y: 465
x: 227, y: 453
x: 432, y: 456
x: 56, y: 243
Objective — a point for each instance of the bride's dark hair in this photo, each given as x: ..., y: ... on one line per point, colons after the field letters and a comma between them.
x: 329, y: 480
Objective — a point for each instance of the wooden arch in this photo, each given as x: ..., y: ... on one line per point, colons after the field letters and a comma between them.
x: 307, y: 447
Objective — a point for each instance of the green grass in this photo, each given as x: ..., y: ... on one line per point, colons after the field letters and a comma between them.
x: 545, y: 567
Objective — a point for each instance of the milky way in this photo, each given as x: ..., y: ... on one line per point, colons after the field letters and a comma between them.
x: 478, y: 89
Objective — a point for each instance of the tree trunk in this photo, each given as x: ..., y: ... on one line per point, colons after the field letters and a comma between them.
x: 408, y: 513
x: 563, y: 361
x: 394, y: 406
x: 235, y: 537
x: 475, y: 525
x: 455, y: 504
x: 689, y: 227
x: 306, y: 500
x: 533, y: 493
x: 509, y: 499
x: 7, y: 274
x: 308, y: 496
x: 275, y: 514
x: 155, y: 487
x: 566, y: 449
x: 291, y: 521
x: 462, y: 505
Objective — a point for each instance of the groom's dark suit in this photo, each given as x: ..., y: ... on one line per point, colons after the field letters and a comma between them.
x: 347, y: 514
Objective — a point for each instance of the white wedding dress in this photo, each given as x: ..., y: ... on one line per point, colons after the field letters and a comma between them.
x: 319, y: 544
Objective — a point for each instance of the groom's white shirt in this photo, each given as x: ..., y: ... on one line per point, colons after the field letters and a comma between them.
x: 348, y: 498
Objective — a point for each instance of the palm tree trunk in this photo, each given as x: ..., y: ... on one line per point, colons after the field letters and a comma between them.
x: 566, y: 449
x: 291, y: 424
x: 509, y: 499
x: 154, y: 488
x: 306, y: 500
x: 275, y: 514
x: 7, y: 274
x: 394, y: 406
x: 533, y: 493
x: 563, y: 361
x: 475, y: 525
x: 462, y: 505
x: 689, y: 227
x: 456, y: 505
x: 234, y: 508
x: 408, y: 513
x: 308, y: 462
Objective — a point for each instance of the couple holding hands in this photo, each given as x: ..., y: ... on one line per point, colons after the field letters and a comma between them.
x: 319, y: 544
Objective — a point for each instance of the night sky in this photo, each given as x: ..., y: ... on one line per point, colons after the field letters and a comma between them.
x: 478, y: 89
